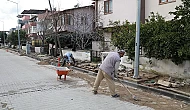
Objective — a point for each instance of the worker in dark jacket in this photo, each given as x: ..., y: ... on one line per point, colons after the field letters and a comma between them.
x: 107, y: 70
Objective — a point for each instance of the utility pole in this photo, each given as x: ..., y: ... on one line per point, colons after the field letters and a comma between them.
x: 3, y: 33
x: 136, y: 66
x: 50, y: 5
x: 18, y: 25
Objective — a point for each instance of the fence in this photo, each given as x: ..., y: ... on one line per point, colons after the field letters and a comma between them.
x: 95, y: 56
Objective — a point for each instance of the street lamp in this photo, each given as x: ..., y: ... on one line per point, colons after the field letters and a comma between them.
x: 18, y: 25
x: 137, y: 40
x: 3, y: 33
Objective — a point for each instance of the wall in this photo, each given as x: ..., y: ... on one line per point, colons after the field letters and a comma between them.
x: 164, y: 9
x: 165, y: 67
x: 126, y: 10
x: 80, y: 55
x: 122, y: 10
x: 38, y: 49
x: 98, y: 46
x: 77, y: 13
x: 23, y: 47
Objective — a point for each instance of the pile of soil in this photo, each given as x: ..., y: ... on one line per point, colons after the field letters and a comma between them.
x: 43, y: 63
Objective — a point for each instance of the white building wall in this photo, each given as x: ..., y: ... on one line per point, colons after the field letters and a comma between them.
x: 163, y: 9
x: 122, y: 10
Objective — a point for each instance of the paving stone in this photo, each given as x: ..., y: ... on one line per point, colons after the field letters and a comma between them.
x: 24, y: 85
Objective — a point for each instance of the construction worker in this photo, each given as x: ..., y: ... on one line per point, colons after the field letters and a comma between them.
x: 107, y: 70
x: 68, y: 59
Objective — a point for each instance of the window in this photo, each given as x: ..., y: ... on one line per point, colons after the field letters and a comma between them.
x: 68, y: 19
x: 84, y: 20
x: 166, y: 1
x: 161, y: 1
x: 108, y: 7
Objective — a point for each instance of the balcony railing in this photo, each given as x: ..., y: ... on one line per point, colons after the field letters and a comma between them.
x: 33, y: 29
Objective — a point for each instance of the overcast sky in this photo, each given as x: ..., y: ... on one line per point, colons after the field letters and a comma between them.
x: 8, y: 10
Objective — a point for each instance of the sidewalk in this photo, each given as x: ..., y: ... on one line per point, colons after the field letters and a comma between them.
x: 24, y: 85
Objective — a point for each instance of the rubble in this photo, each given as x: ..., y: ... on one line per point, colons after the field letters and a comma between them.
x: 164, y: 83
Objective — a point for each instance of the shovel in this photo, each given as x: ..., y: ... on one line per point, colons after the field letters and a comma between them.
x: 132, y: 95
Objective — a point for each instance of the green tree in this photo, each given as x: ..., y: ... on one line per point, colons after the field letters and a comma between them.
x: 13, y: 37
x: 165, y: 39
x: 181, y: 20
x: 2, y: 36
x: 123, y: 36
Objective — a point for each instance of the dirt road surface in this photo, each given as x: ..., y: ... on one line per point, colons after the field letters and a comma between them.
x: 155, y: 101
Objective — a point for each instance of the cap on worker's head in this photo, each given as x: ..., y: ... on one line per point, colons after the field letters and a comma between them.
x: 121, y: 51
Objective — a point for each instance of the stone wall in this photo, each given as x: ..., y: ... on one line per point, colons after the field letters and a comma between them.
x: 164, y: 67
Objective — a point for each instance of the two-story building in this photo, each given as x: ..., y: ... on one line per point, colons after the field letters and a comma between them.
x: 114, y: 10
x: 122, y: 10
x: 66, y: 23
x: 162, y: 7
x: 29, y: 21
x: 79, y: 19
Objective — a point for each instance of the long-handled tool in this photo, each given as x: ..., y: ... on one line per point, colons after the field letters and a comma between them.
x: 132, y: 95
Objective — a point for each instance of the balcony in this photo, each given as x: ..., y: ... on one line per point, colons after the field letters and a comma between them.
x: 33, y: 29
x: 32, y: 23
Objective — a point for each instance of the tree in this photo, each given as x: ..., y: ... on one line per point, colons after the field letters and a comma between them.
x: 44, y: 26
x: 13, y: 37
x: 181, y: 19
x: 123, y: 36
x: 159, y: 38
x: 2, y: 36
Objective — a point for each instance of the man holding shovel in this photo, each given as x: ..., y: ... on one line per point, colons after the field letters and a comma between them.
x: 107, y: 70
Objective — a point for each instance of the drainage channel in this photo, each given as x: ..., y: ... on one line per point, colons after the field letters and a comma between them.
x: 170, y: 94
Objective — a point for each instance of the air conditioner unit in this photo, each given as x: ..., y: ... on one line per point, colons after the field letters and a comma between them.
x: 99, y: 24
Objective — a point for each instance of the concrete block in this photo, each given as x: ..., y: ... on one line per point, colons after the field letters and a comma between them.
x: 175, y: 85
x: 164, y: 83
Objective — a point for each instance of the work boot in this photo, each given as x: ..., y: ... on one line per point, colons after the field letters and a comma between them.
x: 95, y: 92
x: 115, y: 96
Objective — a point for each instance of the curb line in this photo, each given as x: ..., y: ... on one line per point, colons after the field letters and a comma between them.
x: 155, y: 90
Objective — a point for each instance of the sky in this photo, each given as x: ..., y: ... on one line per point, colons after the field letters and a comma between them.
x: 8, y: 10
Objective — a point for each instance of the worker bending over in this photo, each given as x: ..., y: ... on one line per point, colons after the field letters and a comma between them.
x: 107, y: 70
x: 68, y: 59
